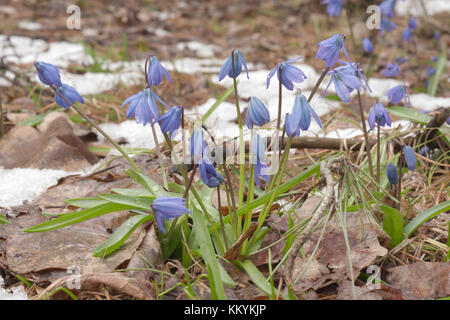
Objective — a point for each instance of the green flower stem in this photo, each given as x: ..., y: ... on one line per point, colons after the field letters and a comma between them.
x: 233, y: 202
x: 103, y: 133
x: 378, y: 155
x: 1, y: 120
x: 352, y: 36
x: 322, y: 76
x: 280, y: 96
x: 161, y: 160
x: 241, y: 141
x: 278, y: 178
x: 225, y: 241
x: 400, y: 174
x: 366, y: 137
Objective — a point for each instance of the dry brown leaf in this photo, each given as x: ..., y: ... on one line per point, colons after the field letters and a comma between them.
x: 421, y: 280
x: 47, y: 256
x: 332, y: 253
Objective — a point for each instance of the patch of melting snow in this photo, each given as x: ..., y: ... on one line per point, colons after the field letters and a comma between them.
x: 415, y: 8
x: 29, y: 25
x: 201, y: 49
x: 19, y: 184
x: 15, y: 293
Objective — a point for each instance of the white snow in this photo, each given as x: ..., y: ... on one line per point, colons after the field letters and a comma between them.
x: 29, y: 25
x: 14, y: 293
x: 415, y: 8
x: 19, y: 184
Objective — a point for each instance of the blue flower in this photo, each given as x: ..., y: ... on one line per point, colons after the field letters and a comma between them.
x: 227, y: 68
x: 387, y: 8
x: 436, y: 35
x: 69, y: 93
x: 330, y: 49
x: 367, y: 45
x: 391, y: 70
x: 407, y: 34
x: 397, y: 94
x: 143, y: 107
x: 387, y: 25
x: 208, y: 174
x: 261, y: 170
x: 410, y: 157
x: 257, y: 113
x: 289, y: 74
x: 431, y: 71
x: 345, y: 81
x: 304, y: 110
x: 197, y: 144
x: 156, y: 72
x: 425, y: 151
x: 291, y: 125
x: 171, y: 120
x: 379, y: 115
x: 48, y: 74
x: 168, y: 208
x: 334, y: 7
x: 412, y: 24
x: 392, y: 174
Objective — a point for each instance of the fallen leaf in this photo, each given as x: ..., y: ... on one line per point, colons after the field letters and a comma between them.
x: 421, y: 280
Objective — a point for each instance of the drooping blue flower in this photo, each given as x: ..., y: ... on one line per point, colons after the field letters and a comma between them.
x: 48, y: 74
x: 257, y: 113
x: 69, y: 93
x: 334, y: 7
x: 197, y: 144
x: 436, y: 35
x: 379, y: 115
x: 208, y: 173
x: 304, y: 110
x: 425, y: 151
x: 410, y: 157
x: 156, y: 72
x: 171, y: 120
x: 344, y: 80
x: 367, y: 45
x: 431, y: 71
x: 330, y: 49
x: 168, y: 208
x: 355, y: 70
x: 412, y: 24
x: 397, y: 94
x: 391, y: 70
x: 407, y: 34
x: 289, y: 74
x: 387, y: 8
x: 392, y: 174
x: 227, y: 68
x: 143, y: 107
x: 261, y: 170
x: 291, y: 125
x: 387, y: 25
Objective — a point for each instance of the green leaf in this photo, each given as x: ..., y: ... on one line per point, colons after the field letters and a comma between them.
x: 216, y: 104
x: 256, y: 276
x: 33, y: 121
x: 288, y: 185
x: 425, y: 216
x: 3, y: 220
x: 146, y: 182
x: 134, y: 192
x: 121, y: 235
x: 392, y: 224
x: 208, y: 254
x: 409, y: 114
x: 131, y: 201
x: 85, y: 202
x: 71, y: 218
x: 433, y: 82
